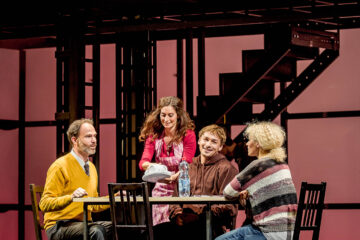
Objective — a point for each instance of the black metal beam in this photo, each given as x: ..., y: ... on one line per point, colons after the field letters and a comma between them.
x: 341, y: 206
x: 119, y: 121
x: 76, y: 73
x: 189, y: 74
x: 179, y: 68
x: 14, y: 207
x: 201, y: 64
x: 337, y: 15
x: 96, y: 101
x: 9, y: 124
x: 61, y: 87
x: 154, y: 80
x: 28, y: 43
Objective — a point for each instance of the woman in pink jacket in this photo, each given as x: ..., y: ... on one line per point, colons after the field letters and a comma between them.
x: 168, y: 132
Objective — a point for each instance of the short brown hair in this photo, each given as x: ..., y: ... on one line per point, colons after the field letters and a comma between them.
x: 74, y: 128
x: 216, y: 130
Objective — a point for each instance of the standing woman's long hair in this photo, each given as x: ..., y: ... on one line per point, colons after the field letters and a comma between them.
x: 152, y: 125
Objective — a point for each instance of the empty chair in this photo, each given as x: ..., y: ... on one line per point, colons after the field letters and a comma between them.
x: 130, y: 213
x: 310, y: 208
x: 36, y: 191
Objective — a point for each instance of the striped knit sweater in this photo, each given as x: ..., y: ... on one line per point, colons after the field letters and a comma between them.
x: 272, y: 194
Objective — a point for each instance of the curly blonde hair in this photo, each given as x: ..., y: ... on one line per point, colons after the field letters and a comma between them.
x: 153, y: 127
x: 270, y: 137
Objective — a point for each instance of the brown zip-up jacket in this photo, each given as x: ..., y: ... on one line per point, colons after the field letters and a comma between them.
x: 209, y: 178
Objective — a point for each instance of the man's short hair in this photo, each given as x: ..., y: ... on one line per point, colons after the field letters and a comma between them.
x: 74, y: 128
x: 216, y: 130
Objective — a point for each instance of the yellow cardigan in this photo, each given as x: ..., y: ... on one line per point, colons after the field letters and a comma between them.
x: 64, y: 176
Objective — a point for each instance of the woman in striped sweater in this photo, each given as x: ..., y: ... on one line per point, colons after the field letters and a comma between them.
x: 266, y: 184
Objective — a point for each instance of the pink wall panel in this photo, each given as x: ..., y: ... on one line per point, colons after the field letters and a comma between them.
x: 166, y: 68
x: 340, y: 224
x: 107, y: 83
x: 9, y: 84
x: 9, y: 166
x: 324, y: 150
x: 30, y: 229
x: 107, y: 156
x: 40, y: 153
x: 89, y: 96
x: 40, y: 84
x: 9, y: 225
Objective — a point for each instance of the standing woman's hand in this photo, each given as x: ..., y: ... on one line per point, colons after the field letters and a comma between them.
x: 146, y: 165
x: 170, y: 179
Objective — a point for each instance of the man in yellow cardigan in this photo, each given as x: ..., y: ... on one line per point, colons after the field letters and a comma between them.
x: 73, y: 175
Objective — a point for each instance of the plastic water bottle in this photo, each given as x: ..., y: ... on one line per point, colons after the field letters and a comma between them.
x: 184, y: 180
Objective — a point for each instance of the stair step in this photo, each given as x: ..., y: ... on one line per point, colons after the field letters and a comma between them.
x: 210, y: 108
x: 284, y: 71
x: 231, y: 84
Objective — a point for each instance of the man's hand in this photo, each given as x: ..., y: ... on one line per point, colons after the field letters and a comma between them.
x: 80, y: 192
x: 117, y: 194
x: 244, y: 195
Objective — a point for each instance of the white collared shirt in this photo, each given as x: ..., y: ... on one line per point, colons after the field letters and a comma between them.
x: 79, y: 159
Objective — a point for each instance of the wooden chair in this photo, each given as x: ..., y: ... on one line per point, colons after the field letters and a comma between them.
x: 309, y: 212
x: 129, y: 215
x: 36, y: 190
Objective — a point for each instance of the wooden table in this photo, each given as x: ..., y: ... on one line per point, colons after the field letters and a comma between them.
x: 207, y: 200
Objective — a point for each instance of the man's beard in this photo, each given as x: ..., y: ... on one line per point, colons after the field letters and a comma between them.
x: 84, y: 148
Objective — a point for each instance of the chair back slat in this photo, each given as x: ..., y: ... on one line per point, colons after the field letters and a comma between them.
x: 314, y: 202
x: 136, y: 210
x: 35, y: 191
x: 309, y: 212
x: 127, y: 213
x: 307, y: 209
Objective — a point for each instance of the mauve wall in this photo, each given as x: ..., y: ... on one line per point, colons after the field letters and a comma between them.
x: 319, y: 149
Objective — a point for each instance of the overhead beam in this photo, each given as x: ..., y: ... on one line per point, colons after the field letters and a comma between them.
x: 327, y: 14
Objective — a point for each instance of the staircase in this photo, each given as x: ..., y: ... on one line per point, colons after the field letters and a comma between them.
x: 284, y: 46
